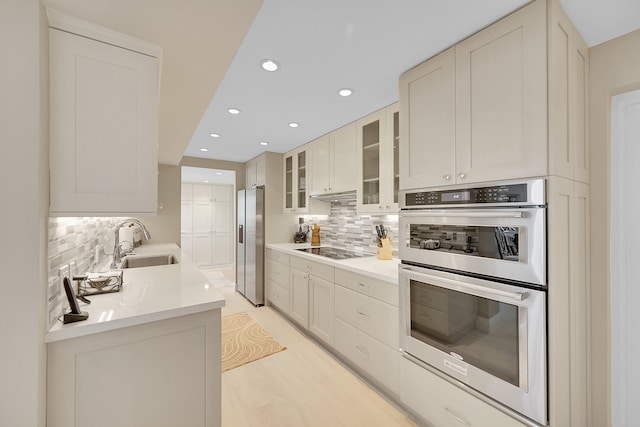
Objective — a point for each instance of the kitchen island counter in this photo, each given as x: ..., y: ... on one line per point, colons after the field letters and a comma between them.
x: 148, y: 294
x: 386, y: 270
x: 148, y: 355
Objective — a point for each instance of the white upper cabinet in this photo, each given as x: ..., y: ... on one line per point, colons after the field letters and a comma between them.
x: 104, y: 124
x: 427, y: 101
x: 568, y: 99
x: 332, y: 158
x: 501, y: 99
x: 478, y: 111
x: 378, y: 162
x: 256, y: 171
x: 296, y: 196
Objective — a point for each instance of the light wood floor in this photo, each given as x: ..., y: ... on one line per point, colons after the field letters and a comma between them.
x: 301, y: 386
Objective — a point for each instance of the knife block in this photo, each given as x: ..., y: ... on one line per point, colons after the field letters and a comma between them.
x: 315, y: 235
x: 385, y: 250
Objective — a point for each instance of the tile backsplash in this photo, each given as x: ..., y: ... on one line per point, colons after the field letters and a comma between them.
x: 75, y: 240
x: 344, y: 228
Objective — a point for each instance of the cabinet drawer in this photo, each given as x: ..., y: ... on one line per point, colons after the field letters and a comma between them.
x: 376, y: 318
x: 278, y: 273
x: 376, y: 288
x: 277, y: 256
x: 443, y: 404
x: 317, y: 269
x: 279, y: 296
x: 370, y: 355
x: 353, y: 343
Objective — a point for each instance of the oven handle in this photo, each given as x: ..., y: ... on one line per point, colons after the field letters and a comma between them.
x: 464, y: 214
x: 455, y: 285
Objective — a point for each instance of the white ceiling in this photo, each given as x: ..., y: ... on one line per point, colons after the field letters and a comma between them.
x: 365, y: 45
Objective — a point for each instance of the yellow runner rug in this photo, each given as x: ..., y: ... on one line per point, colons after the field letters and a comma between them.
x: 244, y: 340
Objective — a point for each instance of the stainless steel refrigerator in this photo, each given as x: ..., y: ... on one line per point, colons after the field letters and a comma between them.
x: 250, y: 259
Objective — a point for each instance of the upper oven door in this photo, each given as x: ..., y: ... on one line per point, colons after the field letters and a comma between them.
x: 507, y: 243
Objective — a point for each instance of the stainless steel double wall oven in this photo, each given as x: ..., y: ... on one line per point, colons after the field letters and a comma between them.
x: 473, y: 282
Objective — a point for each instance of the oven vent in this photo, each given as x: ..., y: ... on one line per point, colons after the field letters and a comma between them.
x: 335, y: 197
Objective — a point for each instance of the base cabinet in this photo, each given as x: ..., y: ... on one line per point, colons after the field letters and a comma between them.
x: 164, y: 373
x: 443, y: 404
x: 368, y: 354
x: 277, y: 280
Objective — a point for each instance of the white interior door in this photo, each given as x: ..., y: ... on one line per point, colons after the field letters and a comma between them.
x: 625, y: 251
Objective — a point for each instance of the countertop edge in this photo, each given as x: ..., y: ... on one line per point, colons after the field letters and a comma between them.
x: 348, y: 264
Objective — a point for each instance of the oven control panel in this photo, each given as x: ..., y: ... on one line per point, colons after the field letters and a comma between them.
x: 495, y: 194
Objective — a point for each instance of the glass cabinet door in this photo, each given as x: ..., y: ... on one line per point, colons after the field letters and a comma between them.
x: 288, y: 182
x: 302, y: 180
x: 371, y: 163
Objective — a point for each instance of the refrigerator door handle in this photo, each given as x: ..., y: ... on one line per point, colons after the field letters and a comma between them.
x: 241, y: 233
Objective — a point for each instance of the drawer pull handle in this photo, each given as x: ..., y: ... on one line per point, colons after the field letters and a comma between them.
x: 308, y: 267
x: 362, y: 350
x: 364, y: 285
x: 456, y: 417
x: 362, y: 314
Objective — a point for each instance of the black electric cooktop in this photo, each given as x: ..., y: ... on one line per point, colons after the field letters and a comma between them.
x: 334, y: 253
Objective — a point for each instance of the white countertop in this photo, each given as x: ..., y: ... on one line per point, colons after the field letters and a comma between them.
x: 148, y: 294
x: 386, y: 270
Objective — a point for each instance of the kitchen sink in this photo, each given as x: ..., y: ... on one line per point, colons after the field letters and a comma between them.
x: 136, y: 261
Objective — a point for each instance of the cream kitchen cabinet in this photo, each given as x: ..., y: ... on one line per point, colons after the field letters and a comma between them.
x: 206, y: 223
x: 296, y: 196
x: 378, y: 161
x: 277, y: 280
x: 311, y: 296
x: 427, y: 101
x: 103, y: 119
x: 502, y: 104
x: 255, y: 172
x: 332, y: 158
x: 443, y: 404
x: 569, y: 154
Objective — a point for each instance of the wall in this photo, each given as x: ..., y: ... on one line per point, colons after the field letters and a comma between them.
x: 24, y: 183
x: 165, y: 226
x: 76, y: 239
x: 344, y: 228
x: 614, y: 68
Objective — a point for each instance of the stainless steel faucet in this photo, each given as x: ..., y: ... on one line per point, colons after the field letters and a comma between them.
x: 117, y: 255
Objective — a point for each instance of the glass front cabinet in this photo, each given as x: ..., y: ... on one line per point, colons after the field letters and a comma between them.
x: 296, y: 197
x: 378, y: 160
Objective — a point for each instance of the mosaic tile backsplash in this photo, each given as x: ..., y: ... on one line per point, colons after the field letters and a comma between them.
x: 344, y: 228
x: 76, y: 240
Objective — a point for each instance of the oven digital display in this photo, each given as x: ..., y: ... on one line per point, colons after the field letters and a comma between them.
x: 456, y: 196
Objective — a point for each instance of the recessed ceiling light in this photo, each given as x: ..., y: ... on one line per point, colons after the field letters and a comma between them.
x: 345, y: 92
x: 264, y: 143
x: 204, y: 149
x: 294, y: 125
x: 206, y: 182
x: 233, y: 110
x: 214, y: 135
x: 218, y: 173
x: 269, y: 64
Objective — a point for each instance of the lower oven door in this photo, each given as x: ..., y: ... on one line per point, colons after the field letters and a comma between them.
x: 490, y: 336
